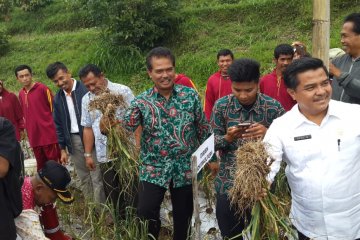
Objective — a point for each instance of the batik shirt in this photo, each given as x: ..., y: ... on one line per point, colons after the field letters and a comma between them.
x: 172, y: 131
x: 229, y: 112
x: 92, y: 118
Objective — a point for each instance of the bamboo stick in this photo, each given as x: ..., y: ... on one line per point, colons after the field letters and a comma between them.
x: 195, y: 189
x: 321, y: 30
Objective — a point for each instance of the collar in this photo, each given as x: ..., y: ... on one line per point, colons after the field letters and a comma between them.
x: 33, y: 87
x: 73, y: 88
x: 298, y: 118
x: 176, y: 89
x: 255, y: 107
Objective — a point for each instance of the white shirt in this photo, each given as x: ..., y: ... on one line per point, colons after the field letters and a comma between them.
x: 323, y: 169
x: 73, y: 120
x: 92, y: 118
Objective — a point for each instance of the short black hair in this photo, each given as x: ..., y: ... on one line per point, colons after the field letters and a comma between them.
x: 53, y: 68
x: 159, y: 52
x: 224, y: 52
x: 300, y: 66
x: 88, y: 68
x: 283, y: 49
x: 22, y: 67
x: 355, y: 19
x: 244, y: 70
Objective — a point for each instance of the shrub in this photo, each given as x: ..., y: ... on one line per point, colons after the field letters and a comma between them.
x: 5, y: 8
x: 139, y: 23
x: 32, y: 5
x: 4, y: 43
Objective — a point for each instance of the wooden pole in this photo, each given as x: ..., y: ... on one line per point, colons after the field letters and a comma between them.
x: 321, y: 30
x: 195, y: 189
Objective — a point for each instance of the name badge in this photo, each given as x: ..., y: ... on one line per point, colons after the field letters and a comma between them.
x: 299, y: 138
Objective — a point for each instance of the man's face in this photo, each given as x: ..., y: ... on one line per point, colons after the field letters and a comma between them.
x: 44, y: 195
x: 24, y: 77
x: 162, y: 73
x: 224, y: 63
x: 313, y: 92
x: 245, y: 92
x: 282, y: 62
x: 350, y: 40
x: 93, y: 83
x: 63, y: 80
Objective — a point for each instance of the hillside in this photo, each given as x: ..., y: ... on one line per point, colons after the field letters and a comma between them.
x: 251, y: 28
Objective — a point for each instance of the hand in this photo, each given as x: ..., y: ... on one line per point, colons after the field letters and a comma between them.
x: 22, y: 134
x: 214, y: 167
x: 64, y: 157
x: 105, y: 124
x: 90, y: 164
x: 233, y: 133
x: 334, y: 70
x: 256, y: 130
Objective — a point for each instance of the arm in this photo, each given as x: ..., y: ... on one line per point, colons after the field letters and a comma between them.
x: 8, y: 147
x: 209, y: 99
x: 274, y: 148
x: 49, y: 97
x: 60, y: 131
x: 89, y: 140
x: 18, y: 114
x: 88, y: 134
x: 4, y: 167
x: 348, y: 80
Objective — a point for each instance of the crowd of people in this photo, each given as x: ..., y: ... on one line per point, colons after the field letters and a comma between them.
x: 306, y: 114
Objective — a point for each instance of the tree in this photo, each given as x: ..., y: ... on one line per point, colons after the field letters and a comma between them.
x: 139, y: 23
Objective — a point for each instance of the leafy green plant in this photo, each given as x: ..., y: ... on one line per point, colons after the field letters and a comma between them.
x: 139, y: 23
x: 32, y: 5
x: 4, y: 43
x: 5, y: 8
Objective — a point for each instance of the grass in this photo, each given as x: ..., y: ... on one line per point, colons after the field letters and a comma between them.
x: 251, y: 28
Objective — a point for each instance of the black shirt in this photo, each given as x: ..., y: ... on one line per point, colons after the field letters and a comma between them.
x: 9, y: 151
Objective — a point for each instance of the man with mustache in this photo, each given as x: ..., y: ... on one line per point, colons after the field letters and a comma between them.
x: 174, y: 125
x: 346, y: 68
x: 67, y: 116
x: 319, y: 139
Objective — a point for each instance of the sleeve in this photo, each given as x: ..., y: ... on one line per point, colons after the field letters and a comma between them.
x: 261, y: 84
x: 18, y: 113
x: 350, y: 81
x: 188, y: 83
x: 209, y: 99
x: 8, y: 142
x: 203, y: 127
x: 133, y: 117
x: 49, y: 97
x: 85, y: 113
x: 274, y: 147
x: 219, y: 126
x: 58, y: 123
x: 128, y: 97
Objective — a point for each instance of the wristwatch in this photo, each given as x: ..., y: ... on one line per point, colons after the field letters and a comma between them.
x: 87, y: 155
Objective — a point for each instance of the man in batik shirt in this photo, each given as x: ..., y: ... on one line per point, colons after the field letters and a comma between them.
x: 174, y: 125
x: 244, y: 105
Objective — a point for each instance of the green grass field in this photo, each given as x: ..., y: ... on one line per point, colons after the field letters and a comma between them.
x: 251, y: 28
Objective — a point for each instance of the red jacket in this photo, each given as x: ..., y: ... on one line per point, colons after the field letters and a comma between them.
x: 10, y: 108
x: 37, y: 107
x: 216, y: 87
x: 270, y: 87
x: 182, y: 79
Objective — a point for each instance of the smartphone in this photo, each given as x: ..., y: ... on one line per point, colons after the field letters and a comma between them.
x: 243, y: 126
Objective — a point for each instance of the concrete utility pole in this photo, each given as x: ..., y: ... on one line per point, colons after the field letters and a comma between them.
x: 321, y: 30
